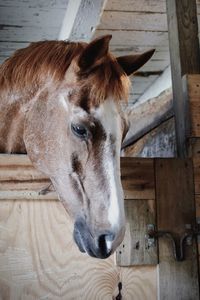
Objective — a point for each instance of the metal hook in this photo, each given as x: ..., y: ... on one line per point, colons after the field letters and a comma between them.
x: 177, y: 243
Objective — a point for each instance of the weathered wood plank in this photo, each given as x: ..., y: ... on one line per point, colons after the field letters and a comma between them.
x: 191, y: 88
x: 162, y: 52
x: 43, y: 4
x: 138, y: 86
x: 153, y: 6
x: 175, y: 208
x: 136, y: 5
x: 197, y: 198
x: 194, y: 147
x: 134, y: 249
x: 26, y: 195
x: 155, y: 65
x: 196, y: 162
x: 185, y: 58
x: 138, y: 178
x: 147, y: 116
x: 141, y: 38
x: 86, y: 20
x: 19, y: 160
x: 23, y: 17
x: 159, y: 142
x: 28, y: 34
x: 133, y: 21
x: 17, y: 175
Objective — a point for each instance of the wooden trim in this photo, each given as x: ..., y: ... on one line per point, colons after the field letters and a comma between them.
x: 20, y: 180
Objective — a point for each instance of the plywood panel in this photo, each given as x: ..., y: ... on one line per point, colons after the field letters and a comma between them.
x: 38, y: 259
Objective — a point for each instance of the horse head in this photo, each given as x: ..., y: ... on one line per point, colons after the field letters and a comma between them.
x: 73, y: 133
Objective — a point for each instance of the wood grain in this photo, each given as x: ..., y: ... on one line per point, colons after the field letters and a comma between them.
x: 136, y: 5
x: 134, y: 249
x: 133, y: 21
x: 159, y: 142
x: 175, y: 208
x: 185, y: 59
x: 196, y: 163
x: 20, y: 180
x: 39, y: 260
x: 141, y: 38
x: 148, y: 115
x: 138, y: 178
x: 191, y: 84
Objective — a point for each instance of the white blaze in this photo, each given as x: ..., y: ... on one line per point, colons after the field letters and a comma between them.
x: 113, y: 211
x: 109, y: 117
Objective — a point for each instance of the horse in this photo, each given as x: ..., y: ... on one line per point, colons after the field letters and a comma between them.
x: 60, y: 104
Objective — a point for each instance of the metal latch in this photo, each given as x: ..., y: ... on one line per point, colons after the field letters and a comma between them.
x: 177, y: 242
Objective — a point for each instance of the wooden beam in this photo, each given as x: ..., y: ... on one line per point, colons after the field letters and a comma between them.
x: 81, y: 19
x: 20, y: 180
x: 159, y: 142
x: 39, y: 259
x: 69, y: 19
x: 147, y: 116
x: 162, y: 83
x: 185, y: 58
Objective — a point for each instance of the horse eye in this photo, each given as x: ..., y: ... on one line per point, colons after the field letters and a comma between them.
x: 79, y: 130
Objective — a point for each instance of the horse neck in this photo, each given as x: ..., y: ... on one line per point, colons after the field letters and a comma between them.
x: 13, y: 109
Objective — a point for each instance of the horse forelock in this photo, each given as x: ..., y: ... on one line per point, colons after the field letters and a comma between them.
x: 105, y: 80
x: 33, y: 65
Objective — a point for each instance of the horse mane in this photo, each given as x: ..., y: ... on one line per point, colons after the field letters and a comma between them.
x: 32, y: 65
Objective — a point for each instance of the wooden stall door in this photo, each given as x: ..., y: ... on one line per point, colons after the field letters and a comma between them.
x: 38, y: 258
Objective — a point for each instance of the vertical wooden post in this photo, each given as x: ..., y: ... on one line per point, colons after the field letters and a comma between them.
x: 176, y: 211
x: 185, y: 59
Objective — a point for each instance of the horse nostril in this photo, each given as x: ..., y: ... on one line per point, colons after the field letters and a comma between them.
x: 105, y: 244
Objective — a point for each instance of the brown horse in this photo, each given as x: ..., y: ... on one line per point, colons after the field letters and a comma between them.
x: 60, y: 104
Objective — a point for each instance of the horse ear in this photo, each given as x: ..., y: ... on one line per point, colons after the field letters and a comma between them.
x: 94, y: 51
x: 132, y: 63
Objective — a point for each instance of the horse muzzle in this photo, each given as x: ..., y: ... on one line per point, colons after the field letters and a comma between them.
x: 99, y: 246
